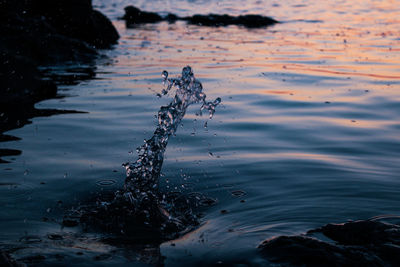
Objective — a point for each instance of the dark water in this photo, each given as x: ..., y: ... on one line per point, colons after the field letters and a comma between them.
x: 308, y: 131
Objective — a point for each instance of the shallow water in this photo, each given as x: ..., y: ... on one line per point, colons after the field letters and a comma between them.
x: 308, y: 131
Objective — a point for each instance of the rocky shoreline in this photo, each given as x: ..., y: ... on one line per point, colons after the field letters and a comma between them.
x: 37, y: 33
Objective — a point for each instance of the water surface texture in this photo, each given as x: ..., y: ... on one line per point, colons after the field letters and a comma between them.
x: 308, y: 131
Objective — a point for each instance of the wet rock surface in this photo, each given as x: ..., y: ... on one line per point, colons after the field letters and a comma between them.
x: 134, y: 15
x: 358, y: 243
x: 36, y: 33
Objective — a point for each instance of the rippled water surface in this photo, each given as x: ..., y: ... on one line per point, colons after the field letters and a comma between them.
x: 308, y: 131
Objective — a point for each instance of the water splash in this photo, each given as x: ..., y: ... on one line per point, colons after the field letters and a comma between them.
x: 145, y: 172
x: 140, y: 201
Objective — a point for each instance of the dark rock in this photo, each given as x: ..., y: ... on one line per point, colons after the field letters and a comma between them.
x: 144, y: 222
x: 308, y: 251
x: 134, y: 15
x: 362, y: 233
x: 36, y: 33
x: 21, y: 82
x: 70, y: 18
x: 171, y: 18
x: 103, y: 34
x: 359, y: 243
x: 249, y: 21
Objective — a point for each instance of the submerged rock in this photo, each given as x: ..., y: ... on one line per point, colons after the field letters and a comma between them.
x: 134, y: 15
x: 359, y: 243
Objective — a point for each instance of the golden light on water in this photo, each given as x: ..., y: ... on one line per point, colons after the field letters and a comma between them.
x: 341, y: 44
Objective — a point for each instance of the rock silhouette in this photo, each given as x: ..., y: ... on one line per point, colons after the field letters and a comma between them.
x: 39, y: 32
x: 248, y: 21
x: 134, y: 15
x: 358, y: 243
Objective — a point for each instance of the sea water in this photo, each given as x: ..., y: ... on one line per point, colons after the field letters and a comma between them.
x: 308, y: 131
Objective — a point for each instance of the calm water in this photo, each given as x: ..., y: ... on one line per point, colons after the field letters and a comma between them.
x: 308, y: 131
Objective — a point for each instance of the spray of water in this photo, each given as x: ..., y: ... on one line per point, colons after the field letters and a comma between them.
x: 145, y: 172
x: 140, y: 201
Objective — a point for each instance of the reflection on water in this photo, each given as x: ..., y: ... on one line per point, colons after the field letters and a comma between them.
x: 309, y: 126
x: 17, y: 116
